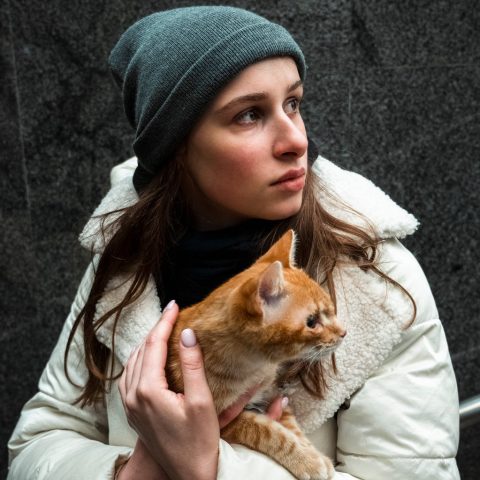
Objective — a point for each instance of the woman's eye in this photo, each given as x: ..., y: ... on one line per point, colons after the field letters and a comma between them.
x: 250, y: 116
x: 292, y: 106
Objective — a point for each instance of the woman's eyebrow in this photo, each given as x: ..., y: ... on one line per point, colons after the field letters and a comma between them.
x: 254, y: 97
x: 295, y: 85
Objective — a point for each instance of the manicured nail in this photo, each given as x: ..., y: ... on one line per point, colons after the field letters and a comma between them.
x: 284, y: 402
x: 170, y: 304
x: 188, y: 338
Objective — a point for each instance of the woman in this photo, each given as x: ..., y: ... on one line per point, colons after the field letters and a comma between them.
x: 223, y: 167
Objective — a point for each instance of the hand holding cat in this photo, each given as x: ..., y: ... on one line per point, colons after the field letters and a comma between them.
x: 180, y: 431
x: 187, y: 433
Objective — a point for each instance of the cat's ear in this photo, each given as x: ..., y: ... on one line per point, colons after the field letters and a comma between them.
x: 283, y: 250
x: 271, y: 284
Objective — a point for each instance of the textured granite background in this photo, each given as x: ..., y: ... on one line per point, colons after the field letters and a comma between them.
x: 393, y: 93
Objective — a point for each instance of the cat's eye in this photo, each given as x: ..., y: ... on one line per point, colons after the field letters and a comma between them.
x: 313, y: 320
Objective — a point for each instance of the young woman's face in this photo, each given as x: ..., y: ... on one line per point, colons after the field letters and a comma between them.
x: 247, y: 156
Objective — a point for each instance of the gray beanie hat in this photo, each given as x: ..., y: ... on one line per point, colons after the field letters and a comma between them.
x: 171, y: 64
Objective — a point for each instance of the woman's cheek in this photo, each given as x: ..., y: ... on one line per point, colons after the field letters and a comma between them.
x: 242, y: 167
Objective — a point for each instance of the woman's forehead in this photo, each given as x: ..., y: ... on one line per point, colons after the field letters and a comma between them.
x: 261, y: 77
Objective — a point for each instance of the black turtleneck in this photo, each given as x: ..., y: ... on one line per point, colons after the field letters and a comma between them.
x: 203, y: 260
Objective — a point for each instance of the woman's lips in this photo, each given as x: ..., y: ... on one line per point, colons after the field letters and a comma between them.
x: 292, y: 181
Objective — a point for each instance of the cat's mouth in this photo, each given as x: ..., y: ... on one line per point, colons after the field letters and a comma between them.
x: 315, y: 353
x: 323, y: 349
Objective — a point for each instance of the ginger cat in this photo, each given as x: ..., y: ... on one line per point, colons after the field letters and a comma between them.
x: 266, y: 315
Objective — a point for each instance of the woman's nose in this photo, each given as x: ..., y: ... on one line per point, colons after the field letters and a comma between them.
x: 290, y: 138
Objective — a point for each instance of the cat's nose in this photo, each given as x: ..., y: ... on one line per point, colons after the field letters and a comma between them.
x: 338, y: 327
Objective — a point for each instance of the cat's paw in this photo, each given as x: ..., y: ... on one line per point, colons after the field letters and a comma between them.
x: 319, y: 467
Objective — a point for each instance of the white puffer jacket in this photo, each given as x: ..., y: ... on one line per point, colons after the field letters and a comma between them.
x: 401, y: 418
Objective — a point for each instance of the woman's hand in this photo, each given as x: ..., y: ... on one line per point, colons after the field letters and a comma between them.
x: 180, y: 431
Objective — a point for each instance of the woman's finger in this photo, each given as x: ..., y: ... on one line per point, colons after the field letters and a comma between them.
x: 196, y: 389
x: 137, y: 369
x: 275, y: 409
x: 130, y: 368
x: 234, y: 410
x: 155, y: 347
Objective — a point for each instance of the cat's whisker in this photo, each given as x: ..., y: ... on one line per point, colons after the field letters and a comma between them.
x: 315, y: 355
x: 311, y: 359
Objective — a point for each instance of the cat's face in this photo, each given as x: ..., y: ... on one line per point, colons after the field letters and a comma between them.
x: 289, y: 315
x: 292, y: 316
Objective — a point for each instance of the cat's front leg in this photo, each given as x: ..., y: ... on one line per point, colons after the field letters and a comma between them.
x: 290, y: 449
x: 289, y: 421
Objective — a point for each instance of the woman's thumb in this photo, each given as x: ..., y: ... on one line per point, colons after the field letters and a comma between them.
x: 191, y: 360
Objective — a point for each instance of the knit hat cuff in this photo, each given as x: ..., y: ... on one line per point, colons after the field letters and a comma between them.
x: 203, y: 80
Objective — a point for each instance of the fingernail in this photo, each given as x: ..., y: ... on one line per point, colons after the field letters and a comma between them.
x: 170, y: 304
x: 188, y: 338
x: 284, y: 402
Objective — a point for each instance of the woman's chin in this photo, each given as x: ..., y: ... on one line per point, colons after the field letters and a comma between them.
x: 282, y: 213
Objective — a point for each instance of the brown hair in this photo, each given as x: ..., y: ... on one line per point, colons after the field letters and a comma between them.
x: 145, y: 230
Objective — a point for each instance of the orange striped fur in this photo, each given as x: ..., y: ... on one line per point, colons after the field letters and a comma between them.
x: 248, y: 327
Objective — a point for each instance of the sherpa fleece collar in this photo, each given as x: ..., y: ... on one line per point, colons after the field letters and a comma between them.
x: 361, y: 296
x: 353, y: 189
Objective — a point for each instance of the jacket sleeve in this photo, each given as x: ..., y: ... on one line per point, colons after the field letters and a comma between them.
x: 403, y: 423
x: 53, y: 438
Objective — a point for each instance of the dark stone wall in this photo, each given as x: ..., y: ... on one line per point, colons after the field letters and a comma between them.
x: 393, y: 92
